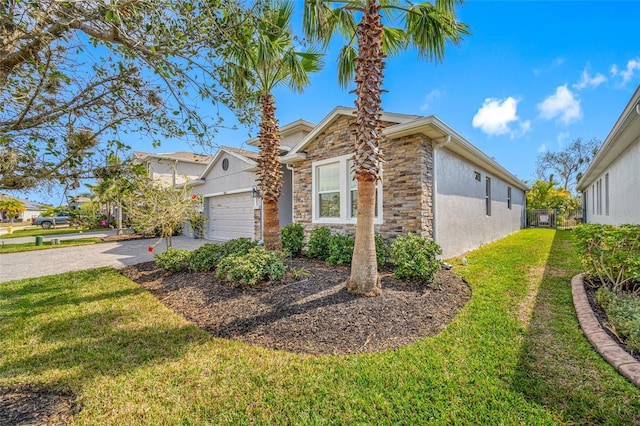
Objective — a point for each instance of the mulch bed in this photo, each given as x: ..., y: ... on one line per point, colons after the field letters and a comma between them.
x: 591, y: 289
x: 312, y: 314
x: 28, y: 405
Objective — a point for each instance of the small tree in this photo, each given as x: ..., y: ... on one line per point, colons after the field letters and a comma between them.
x: 154, y: 208
x: 12, y: 207
x: 568, y: 164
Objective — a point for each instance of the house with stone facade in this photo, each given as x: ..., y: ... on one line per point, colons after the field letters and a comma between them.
x: 611, y: 184
x: 434, y: 183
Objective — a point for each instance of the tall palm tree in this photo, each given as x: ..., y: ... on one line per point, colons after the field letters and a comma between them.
x: 257, y: 63
x: 427, y: 27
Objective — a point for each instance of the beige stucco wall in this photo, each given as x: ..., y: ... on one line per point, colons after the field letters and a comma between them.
x: 171, y: 172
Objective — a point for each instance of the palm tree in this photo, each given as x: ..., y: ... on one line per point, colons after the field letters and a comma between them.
x: 257, y: 63
x: 428, y: 27
x: 11, y: 207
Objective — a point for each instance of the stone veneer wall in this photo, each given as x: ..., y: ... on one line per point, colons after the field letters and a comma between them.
x: 407, y: 181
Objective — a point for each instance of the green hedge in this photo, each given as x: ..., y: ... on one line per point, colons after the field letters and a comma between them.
x: 610, y: 254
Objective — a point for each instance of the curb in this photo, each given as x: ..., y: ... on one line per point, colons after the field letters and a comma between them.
x: 608, y: 348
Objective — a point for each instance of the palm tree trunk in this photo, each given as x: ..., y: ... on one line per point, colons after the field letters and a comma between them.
x: 364, y: 278
x: 270, y: 172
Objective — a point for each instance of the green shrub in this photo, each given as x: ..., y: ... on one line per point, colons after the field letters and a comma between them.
x: 318, y: 245
x: 250, y: 268
x: 238, y: 246
x: 623, y: 312
x: 415, y: 258
x: 611, y: 254
x: 292, y: 239
x: 173, y: 260
x: 206, y: 257
x: 382, y: 250
x: 340, y: 249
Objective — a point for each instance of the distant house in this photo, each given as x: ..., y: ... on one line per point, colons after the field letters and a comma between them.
x: 172, y: 168
x: 611, y: 184
x: 435, y: 183
x: 33, y: 209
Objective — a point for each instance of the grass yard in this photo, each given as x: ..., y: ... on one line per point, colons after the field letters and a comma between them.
x: 514, y: 355
x: 36, y: 230
x: 17, y: 248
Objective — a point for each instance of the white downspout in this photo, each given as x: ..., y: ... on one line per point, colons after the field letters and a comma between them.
x: 293, y: 198
x: 437, y: 144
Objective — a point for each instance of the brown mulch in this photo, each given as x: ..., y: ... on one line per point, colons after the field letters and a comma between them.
x: 591, y: 288
x: 28, y: 405
x: 312, y: 313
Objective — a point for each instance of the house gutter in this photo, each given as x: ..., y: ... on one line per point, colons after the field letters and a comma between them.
x: 436, y: 144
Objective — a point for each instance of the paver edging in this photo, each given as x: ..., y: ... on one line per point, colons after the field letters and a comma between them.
x: 608, y: 348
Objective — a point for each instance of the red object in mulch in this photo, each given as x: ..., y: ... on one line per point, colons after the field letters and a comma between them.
x: 150, y: 248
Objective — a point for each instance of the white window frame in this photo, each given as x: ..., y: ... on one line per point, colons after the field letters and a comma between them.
x: 345, y: 193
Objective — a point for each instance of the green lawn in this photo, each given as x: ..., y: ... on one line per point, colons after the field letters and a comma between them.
x: 36, y: 230
x: 514, y: 355
x: 16, y: 248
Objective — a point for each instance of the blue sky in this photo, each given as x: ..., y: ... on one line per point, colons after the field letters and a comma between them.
x: 531, y: 77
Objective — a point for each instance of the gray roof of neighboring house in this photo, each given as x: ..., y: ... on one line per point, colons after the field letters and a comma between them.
x: 189, y: 157
x: 30, y: 205
x: 624, y: 132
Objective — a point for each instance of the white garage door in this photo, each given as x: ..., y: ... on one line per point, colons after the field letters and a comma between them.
x: 231, y: 216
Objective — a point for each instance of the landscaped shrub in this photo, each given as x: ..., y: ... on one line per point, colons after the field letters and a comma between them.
x: 415, y: 258
x: 623, y: 312
x: 238, y: 246
x: 250, y: 268
x: 610, y: 254
x: 382, y: 250
x: 340, y: 249
x: 292, y: 239
x: 173, y: 260
x: 206, y: 257
x: 318, y: 245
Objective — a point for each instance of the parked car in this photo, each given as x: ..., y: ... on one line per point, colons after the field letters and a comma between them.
x: 48, y: 222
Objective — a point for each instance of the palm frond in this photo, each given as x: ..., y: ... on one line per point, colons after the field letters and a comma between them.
x: 347, y: 64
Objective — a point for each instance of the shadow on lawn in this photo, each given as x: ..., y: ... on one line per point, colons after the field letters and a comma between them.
x: 557, y: 367
x: 93, y: 345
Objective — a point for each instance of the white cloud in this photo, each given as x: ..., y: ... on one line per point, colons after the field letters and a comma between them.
x: 562, y: 105
x: 542, y: 148
x: 495, y: 116
x: 554, y: 64
x: 432, y: 95
x: 627, y: 74
x: 588, y: 81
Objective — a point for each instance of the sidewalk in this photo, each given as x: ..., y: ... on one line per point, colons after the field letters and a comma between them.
x: 118, y: 254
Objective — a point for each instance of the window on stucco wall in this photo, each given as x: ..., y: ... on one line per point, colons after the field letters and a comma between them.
x: 487, y: 196
x: 335, y: 192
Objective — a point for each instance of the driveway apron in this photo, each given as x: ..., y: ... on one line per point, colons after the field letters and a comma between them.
x: 31, y: 264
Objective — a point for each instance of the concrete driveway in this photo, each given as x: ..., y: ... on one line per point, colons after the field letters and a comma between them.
x: 119, y: 254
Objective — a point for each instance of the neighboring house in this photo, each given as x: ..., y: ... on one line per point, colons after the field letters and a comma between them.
x: 33, y: 209
x: 173, y: 168
x: 434, y: 183
x: 611, y: 184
